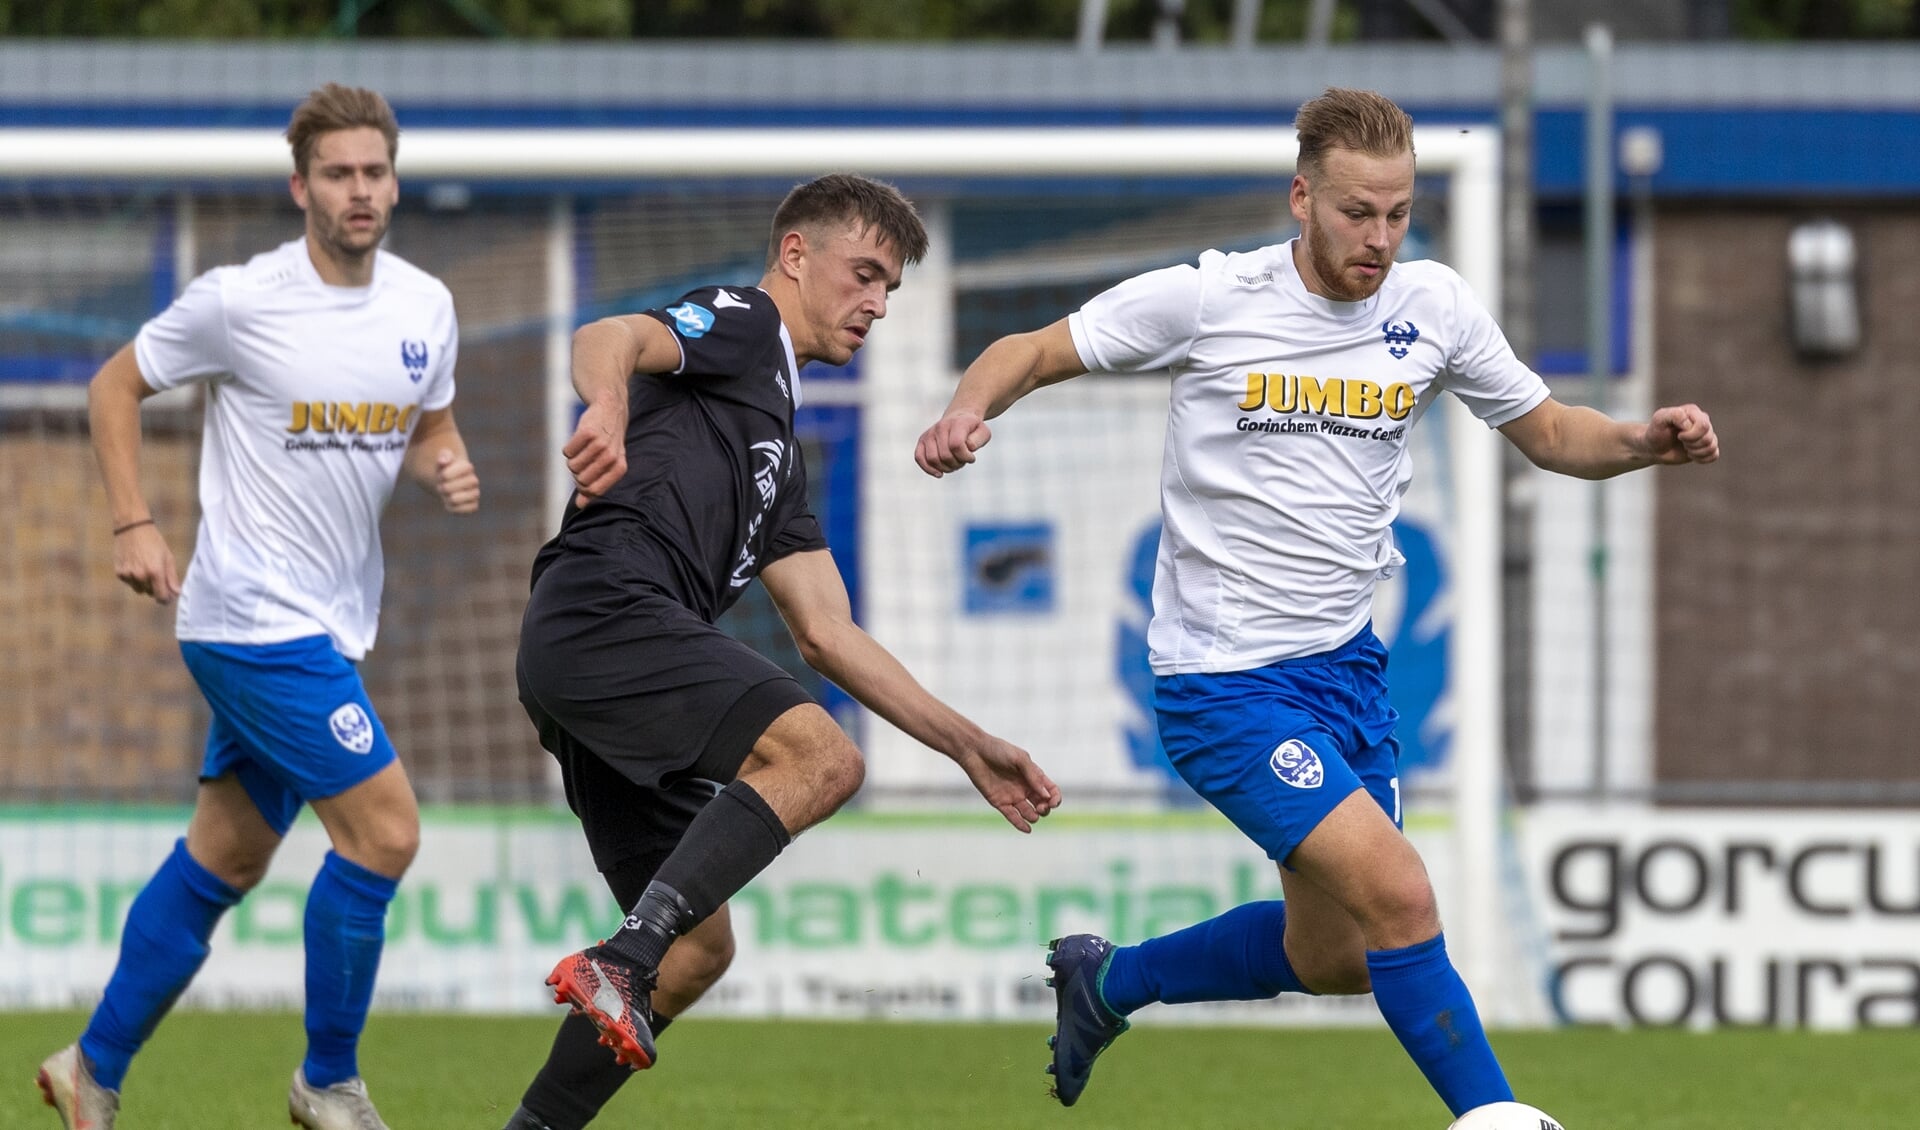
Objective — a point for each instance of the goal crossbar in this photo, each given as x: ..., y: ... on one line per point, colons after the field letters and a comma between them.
x: 1468, y: 158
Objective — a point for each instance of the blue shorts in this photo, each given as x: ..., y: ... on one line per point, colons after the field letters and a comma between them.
x: 1275, y: 749
x: 290, y: 720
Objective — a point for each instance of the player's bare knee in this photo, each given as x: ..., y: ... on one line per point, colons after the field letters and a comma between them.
x: 1341, y: 975
x: 239, y: 868
x: 1402, y: 913
x: 843, y: 773
x: 386, y: 848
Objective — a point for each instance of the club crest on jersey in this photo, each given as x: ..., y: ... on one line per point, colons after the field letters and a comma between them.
x: 694, y: 321
x: 1400, y: 337
x: 1295, y: 763
x: 413, y: 354
x: 352, y: 728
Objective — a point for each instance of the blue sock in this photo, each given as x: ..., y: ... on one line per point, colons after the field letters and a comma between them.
x: 1427, y: 1005
x: 346, y: 927
x: 162, y: 947
x: 1238, y: 956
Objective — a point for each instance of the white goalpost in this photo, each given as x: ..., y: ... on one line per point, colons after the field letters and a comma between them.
x: 918, y: 346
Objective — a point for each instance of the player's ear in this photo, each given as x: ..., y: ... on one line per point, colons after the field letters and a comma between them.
x: 297, y: 188
x: 1300, y: 197
x: 793, y: 253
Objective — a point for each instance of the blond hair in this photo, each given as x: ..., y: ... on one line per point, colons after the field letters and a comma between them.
x: 336, y: 107
x: 1359, y: 120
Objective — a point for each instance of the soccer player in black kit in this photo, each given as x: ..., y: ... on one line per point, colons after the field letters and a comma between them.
x: 691, y: 760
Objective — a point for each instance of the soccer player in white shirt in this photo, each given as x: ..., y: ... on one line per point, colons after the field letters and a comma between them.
x: 328, y: 370
x: 1298, y: 371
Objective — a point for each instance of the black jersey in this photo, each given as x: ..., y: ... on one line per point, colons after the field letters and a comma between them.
x: 716, y: 488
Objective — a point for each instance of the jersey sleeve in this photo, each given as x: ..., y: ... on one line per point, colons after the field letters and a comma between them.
x: 439, y: 391
x: 1482, y: 369
x: 188, y: 340
x: 1142, y: 325
x: 801, y: 534
x: 722, y: 330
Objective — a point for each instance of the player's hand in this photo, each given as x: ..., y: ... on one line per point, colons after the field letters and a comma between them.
x: 144, y: 564
x: 456, y: 482
x: 1011, y: 782
x: 1681, y: 434
x: 597, y: 451
x: 950, y: 444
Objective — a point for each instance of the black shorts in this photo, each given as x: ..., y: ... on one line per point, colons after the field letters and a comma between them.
x: 649, y: 709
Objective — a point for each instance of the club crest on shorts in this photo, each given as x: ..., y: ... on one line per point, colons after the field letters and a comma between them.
x: 352, y: 728
x: 1295, y: 763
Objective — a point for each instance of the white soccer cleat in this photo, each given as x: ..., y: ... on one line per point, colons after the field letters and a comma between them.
x: 343, y: 1106
x: 69, y: 1088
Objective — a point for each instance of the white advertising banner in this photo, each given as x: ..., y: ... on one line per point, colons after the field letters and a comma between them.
x: 868, y: 916
x: 1710, y: 918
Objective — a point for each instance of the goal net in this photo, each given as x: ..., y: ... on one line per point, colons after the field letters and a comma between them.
x: 1016, y: 591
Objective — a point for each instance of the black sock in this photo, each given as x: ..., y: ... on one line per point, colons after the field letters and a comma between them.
x: 733, y: 839
x: 579, y: 1077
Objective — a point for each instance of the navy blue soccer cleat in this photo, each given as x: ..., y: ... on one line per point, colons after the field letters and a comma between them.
x: 1083, y: 1025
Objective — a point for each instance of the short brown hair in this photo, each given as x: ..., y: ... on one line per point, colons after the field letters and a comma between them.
x: 1360, y: 120
x: 336, y: 107
x: 846, y: 198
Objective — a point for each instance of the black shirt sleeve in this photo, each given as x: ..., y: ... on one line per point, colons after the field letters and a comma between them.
x: 801, y: 534
x: 722, y: 330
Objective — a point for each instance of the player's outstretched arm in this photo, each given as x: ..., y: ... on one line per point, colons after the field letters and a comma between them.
x: 141, y: 558
x: 437, y: 459
x: 606, y: 354
x: 1008, y: 370
x: 812, y: 598
x: 1588, y: 444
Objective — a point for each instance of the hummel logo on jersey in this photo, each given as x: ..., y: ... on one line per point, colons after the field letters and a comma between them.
x: 413, y: 354
x: 352, y: 728
x: 1400, y: 337
x: 769, y: 455
x: 694, y: 321
x: 724, y: 299
x: 1295, y: 763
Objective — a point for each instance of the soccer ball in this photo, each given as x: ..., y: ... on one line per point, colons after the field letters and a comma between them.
x: 1506, y: 1116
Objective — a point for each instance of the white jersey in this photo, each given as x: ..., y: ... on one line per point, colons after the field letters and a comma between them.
x: 312, y: 394
x: 1286, y: 453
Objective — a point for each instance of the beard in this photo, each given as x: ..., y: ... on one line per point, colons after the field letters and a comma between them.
x: 344, y: 241
x: 1333, y: 274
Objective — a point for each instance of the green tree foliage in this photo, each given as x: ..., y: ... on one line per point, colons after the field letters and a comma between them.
x: 1051, y: 21
x: 1826, y: 19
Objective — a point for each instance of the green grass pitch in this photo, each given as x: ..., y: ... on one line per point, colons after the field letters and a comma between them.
x: 210, y: 1071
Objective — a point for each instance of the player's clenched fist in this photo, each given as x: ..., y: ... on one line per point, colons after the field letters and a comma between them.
x: 1681, y: 434
x: 597, y: 452
x: 144, y: 564
x: 457, y: 483
x: 950, y: 444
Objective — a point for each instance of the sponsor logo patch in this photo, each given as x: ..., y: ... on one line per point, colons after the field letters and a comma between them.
x: 694, y: 321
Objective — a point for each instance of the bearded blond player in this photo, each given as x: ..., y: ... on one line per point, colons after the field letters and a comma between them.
x: 328, y: 370
x: 1298, y: 372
